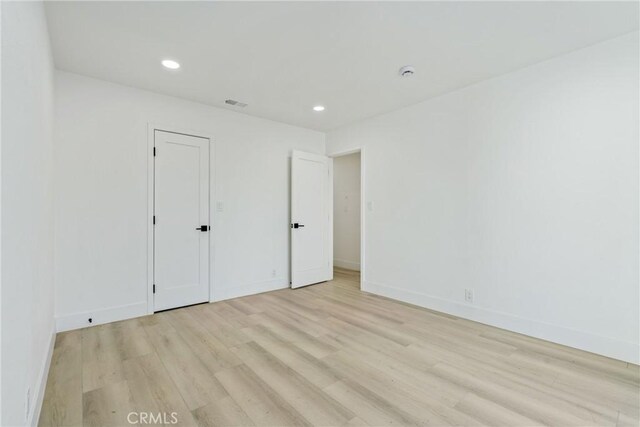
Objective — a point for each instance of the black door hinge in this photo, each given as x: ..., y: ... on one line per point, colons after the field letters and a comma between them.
x: 154, y: 288
x: 154, y: 220
x: 154, y: 151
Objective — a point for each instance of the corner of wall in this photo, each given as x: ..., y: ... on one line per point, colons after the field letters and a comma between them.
x: 68, y: 322
x: 38, y: 396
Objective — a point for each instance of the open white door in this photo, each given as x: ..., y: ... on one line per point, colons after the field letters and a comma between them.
x: 311, y: 219
x: 181, y: 218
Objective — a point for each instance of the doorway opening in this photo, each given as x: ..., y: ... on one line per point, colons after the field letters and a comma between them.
x: 347, y: 218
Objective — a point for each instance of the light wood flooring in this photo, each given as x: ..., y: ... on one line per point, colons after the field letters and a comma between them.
x: 328, y: 355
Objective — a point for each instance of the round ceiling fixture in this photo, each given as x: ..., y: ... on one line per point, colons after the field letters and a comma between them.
x: 318, y: 108
x: 407, y: 71
x: 170, y: 64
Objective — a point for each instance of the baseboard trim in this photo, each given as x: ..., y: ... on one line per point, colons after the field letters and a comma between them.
x: 250, y: 289
x: 70, y: 322
x: 73, y: 321
x: 38, y: 397
x: 349, y: 265
x: 616, y: 349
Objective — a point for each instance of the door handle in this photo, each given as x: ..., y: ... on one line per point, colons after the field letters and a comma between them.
x: 203, y: 228
x: 296, y: 225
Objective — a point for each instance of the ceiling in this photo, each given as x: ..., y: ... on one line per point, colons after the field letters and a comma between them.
x: 283, y: 58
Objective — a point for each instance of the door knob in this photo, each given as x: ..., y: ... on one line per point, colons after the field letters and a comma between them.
x: 203, y: 228
x: 296, y: 225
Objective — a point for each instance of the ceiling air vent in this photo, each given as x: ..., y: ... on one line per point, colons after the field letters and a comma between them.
x: 235, y: 103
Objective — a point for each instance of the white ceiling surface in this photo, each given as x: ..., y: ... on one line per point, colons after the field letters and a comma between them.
x: 283, y: 58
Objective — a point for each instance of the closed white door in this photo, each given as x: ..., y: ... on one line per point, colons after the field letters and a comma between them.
x: 181, y: 215
x: 311, y: 219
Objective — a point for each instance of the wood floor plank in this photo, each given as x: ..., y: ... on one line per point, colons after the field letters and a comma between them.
x: 423, y: 409
x: 422, y: 380
x: 223, y: 412
x: 130, y: 339
x: 219, y: 327
x: 311, y: 368
x: 494, y: 365
x: 290, y: 332
x: 368, y: 406
x: 62, y: 405
x: 567, y: 356
x: 153, y: 391
x: 626, y: 420
x: 535, y: 387
x: 258, y: 400
x: 196, y: 383
x: 295, y: 304
x: 539, y: 410
x: 310, y: 327
x: 108, y: 406
x: 491, y: 413
x: 357, y: 421
x: 213, y: 353
x: 101, y: 359
x: 317, y: 407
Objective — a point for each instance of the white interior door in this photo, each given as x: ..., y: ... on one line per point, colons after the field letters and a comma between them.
x: 181, y: 215
x: 311, y: 219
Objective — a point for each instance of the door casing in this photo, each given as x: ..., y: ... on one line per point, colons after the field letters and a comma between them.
x: 151, y: 128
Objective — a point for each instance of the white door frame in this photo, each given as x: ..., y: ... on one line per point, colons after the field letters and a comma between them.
x: 151, y: 128
x: 362, y: 205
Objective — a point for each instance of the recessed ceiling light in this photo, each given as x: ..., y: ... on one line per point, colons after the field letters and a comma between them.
x: 170, y: 64
x: 318, y: 108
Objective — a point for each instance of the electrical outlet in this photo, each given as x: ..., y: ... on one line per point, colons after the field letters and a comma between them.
x: 468, y: 295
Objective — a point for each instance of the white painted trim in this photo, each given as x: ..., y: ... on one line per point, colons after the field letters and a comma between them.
x: 361, y: 150
x: 346, y: 152
x: 151, y: 128
x: 349, y: 265
x: 68, y: 322
x: 38, y: 395
x: 251, y: 289
x: 329, y: 247
x: 617, y: 349
x: 150, y: 210
x: 363, y: 234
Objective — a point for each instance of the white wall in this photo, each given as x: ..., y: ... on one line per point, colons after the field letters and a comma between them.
x: 523, y: 188
x: 346, y: 211
x: 100, y: 168
x: 0, y: 213
x: 27, y: 226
